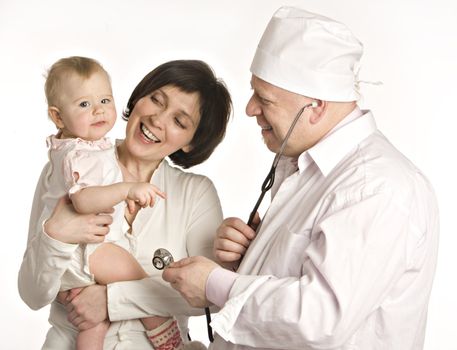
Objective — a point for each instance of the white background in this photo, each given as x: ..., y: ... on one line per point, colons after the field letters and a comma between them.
x: 410, y: 45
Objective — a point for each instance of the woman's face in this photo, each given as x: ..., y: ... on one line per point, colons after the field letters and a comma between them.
x: 162, y: 123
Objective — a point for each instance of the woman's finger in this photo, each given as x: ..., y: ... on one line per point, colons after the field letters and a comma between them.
x: 103, y: 219
x: 72, y: 293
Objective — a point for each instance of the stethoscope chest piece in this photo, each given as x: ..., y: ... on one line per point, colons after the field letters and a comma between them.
x: 162, y: 258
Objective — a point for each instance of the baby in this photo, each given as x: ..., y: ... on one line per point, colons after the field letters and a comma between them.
x: 84, y: 166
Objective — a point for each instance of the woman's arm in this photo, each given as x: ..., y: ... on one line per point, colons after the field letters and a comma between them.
x: 48, y: 253
x: 45, y: 259
x: 153, y: 296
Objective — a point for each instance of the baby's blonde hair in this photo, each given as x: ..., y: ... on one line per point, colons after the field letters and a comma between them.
x: 60, y: 70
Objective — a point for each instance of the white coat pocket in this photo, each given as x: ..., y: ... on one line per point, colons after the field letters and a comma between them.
x: 288, y: 252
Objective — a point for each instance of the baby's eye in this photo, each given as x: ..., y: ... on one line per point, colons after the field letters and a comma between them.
x: 106, y: 101
x: 84, y: 104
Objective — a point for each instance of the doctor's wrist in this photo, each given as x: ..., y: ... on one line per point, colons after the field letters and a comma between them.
x: 218, y: 285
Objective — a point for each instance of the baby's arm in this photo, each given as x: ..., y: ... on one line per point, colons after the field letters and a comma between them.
x: 96, y: 199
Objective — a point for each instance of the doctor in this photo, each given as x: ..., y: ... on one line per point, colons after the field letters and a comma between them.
x: 345, y: 255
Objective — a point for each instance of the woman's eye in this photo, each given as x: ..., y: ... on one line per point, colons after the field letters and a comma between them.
x: 178, y: 123
x: 106, y: 101
x: 84, y: 104
x: 156, y: 100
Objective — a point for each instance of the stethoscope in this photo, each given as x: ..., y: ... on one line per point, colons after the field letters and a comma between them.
x: 270, y: 179
x: 162, y: 257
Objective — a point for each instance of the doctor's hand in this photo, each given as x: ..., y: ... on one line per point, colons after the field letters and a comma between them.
x: 67, y: 226
x: 232, y: 240
x: 188, y: 276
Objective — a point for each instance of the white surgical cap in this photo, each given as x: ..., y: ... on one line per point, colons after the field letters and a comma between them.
x: 310, y: 55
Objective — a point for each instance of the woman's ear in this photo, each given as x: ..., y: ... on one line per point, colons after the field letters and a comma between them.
x: 318, y: 112
x: 187, y: 148
x: 54, y: 114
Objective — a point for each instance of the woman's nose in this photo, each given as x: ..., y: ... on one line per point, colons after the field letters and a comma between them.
x: 158, y: 119
x: 252, y: 108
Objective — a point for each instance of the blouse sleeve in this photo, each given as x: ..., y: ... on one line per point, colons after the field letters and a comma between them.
x: 206, y: 218
x: 153, y: 296
x: 45, y: 259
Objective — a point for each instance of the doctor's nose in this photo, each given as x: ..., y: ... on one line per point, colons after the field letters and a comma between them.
x: 253, y: 108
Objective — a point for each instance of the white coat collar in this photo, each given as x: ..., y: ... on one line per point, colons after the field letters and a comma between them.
x: 329, y: 151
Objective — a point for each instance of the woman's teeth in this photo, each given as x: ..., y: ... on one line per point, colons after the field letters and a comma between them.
x: 148, y: 134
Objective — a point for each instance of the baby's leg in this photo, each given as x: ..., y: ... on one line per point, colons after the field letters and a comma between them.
x: 167, y: 337
x: 92, y: 338
x: 110, y: 263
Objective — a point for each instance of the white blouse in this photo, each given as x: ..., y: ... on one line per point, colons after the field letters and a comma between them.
x: 185, y: 224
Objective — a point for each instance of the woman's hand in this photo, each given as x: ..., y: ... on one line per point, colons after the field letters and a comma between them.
x: 87, y: 307
x: 67, y: 226
x: 232, y: 240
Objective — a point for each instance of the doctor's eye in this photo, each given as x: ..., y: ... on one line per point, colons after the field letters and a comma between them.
x: 262, y: 100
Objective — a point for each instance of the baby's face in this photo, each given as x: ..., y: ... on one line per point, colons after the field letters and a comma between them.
x: 86, y: 107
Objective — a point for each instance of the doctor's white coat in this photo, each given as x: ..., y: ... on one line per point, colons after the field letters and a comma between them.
x: 345, y: 255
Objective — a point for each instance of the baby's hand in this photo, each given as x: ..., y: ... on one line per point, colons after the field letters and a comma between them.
x: 143, y: 194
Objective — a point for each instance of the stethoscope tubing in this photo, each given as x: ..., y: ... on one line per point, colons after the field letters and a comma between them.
x: 269, y: 180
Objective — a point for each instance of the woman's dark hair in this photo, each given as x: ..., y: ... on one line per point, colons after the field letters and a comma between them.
x: 215, y: 104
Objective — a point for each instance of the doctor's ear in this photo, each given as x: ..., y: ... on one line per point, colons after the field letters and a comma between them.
x: 54, y: 114
x: 318, y: 110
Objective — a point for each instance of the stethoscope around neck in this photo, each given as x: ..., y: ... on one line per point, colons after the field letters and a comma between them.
x: 270, y: 179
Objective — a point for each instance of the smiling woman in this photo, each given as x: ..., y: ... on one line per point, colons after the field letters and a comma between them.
x: 194, y: 114
x: 167, y: 118
x: 179, y: 110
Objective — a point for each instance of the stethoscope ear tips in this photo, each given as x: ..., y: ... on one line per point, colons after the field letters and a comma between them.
x: 314, y: 104
x: 162, y: 258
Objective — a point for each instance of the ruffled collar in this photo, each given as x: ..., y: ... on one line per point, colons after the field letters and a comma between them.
x: 55, y: 143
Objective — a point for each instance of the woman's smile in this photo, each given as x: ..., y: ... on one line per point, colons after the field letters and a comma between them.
x: 148, y: 134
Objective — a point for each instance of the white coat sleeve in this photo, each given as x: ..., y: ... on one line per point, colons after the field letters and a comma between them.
x: 154, y: 296
x: 359, y: 253
x: 45, y: 259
